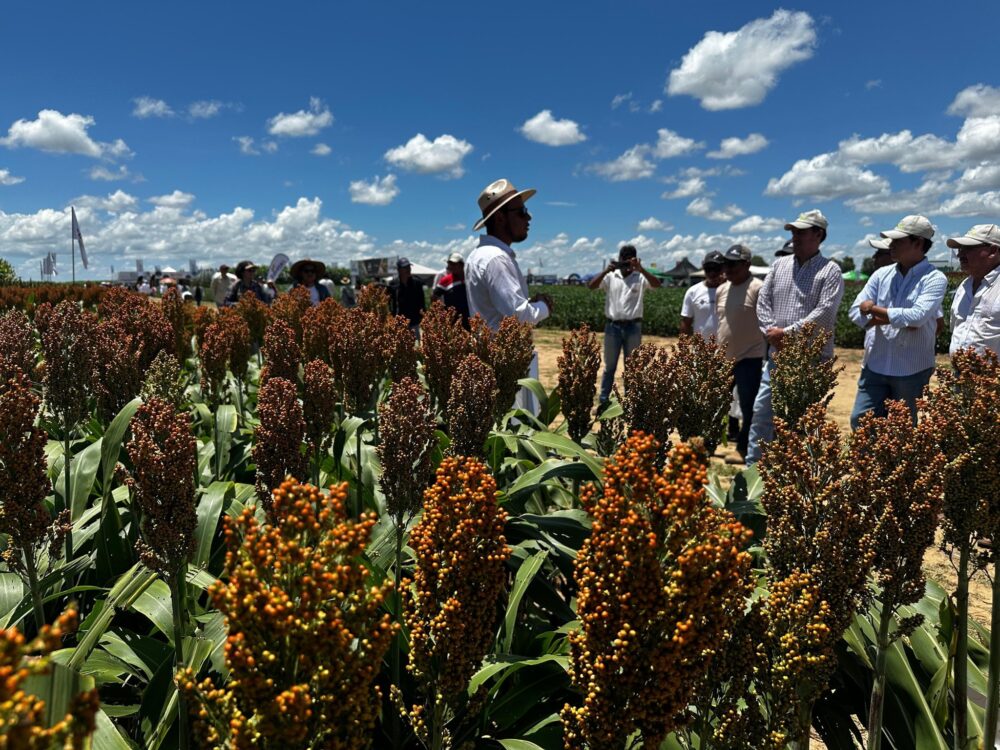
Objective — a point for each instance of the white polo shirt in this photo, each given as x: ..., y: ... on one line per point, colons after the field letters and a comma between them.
x: 700, y: 305
x: 623, y: 295
x: 975, y: 318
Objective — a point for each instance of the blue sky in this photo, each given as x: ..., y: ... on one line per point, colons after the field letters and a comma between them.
x: 216, y: 132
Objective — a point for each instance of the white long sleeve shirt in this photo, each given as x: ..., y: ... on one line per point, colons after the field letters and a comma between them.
x: 975, y: 316
x: 496, y: 286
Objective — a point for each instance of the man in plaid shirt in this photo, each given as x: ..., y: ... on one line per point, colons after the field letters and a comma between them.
x: 804, y: 287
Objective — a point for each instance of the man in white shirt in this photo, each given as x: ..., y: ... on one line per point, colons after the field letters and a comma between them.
x: 898, y: 310
x: 975, y: 310
x: 698, y: 310
x: 623, y: 283
x: 222, y: 282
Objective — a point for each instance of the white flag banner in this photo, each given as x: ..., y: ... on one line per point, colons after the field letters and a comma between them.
x: 78, y: 237
x: 138, y: 265
x: 278, y: 263
x: 52, y: 265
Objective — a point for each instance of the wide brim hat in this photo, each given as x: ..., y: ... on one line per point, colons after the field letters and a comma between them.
x: 300, y: 265
x: 243, y: 265
x: 495, y: 196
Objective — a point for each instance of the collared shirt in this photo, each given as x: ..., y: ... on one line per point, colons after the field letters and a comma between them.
x: 408, y: 299
x: 496, y: 286
x: 912, y: 300
x: 623, y: 295
x: 739, y: 329
x: 699, y: 305
x: 975, y: 317
x: 239, y: 289
x: 220, y: 286
x: 452, y: 294
x: 795, y: 294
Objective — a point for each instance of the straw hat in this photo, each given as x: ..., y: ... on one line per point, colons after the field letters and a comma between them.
x: 495, y: 196
x: 301, y: 265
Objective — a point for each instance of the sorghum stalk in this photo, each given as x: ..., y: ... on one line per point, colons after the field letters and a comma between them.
x: 878, y: 689
x: 992, y: 688
x: 178, y: 601
x: 961, y: 719
x: 37, y: 606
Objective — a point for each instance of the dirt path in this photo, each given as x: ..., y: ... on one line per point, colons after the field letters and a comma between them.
x: 936, y: 563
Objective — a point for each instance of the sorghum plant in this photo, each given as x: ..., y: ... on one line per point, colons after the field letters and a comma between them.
x: 579, y: 364
x: 316, y: 323
x: 452, y: 605
x: 648, y: 402
x: 511, y: 351
x: 319, y: 411
x: 240, y: 346
x: 471, y: 406
x: 17, y: 345
x: 443, y: 344
x: 373, y: 298
x: 659, y: 580
x: 400, y: 348
x: 164, y: 380
x: 141, y: 318
x: 282, y: 355
x: 256, y: 315
x: 306, y: 629
x: 801, y: 376
x: 23, y: 714
x: 904, y: 472
x: 214, y: 356
x: 357, y: 357
x: 118, y: 367
x: 179, y: 318
x: 277, y: 449
x: 702, y: 379
x: 202, y: 317
x: 290, y: 308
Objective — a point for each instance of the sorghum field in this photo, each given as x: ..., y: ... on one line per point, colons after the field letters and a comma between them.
x: 295, y: 527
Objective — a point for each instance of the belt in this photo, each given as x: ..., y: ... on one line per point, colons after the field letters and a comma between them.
x: 625, y: 322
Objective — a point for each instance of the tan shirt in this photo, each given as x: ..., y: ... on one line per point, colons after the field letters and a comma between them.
x: 739, y: 328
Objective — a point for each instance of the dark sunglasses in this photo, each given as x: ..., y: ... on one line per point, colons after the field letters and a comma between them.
x: 713, y: 269
x: 519, y: 210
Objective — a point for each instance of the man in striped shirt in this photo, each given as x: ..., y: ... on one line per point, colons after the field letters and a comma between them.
x: 898, y: 306
x: 801, y: 288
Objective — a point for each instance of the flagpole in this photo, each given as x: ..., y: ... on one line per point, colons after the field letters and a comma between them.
x: 72, y: 249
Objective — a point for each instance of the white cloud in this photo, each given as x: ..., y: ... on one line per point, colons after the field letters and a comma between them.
x: 703, y: 207
x: 6, y: 178
x: 866, y: 221
x: 321, y: 149
x: 103, y: 174
x: 176, y: 199
x: 147, y: 106
x: 669, y: 144
x: 632, y: 165
x: 757, y: 223
x: 824, y: 177
x: 980, y: 177
x: 379, y: 192
x: 58, y: 133
x: 114, y: 203
x: 686, y: 188
x: 738, y: 68
x: 874, y: 83
x: 652, y: 224
x: 249, y: 147
x: 620, y: 99
x: 456, y: 227
x: 730, y: 147
x: 656, y: 106
x: 443, y: 155
x: 301, y: 123
x: 972, y: 204
x: 976, y: 101
x: 544, y: 128
x: 204, y: 109
x: 922, y: 200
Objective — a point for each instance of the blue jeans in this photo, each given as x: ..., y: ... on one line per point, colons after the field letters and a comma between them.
x: 747, y: 374
x: 762, y: 425
x: 874, y: 390
x: 617, y: 336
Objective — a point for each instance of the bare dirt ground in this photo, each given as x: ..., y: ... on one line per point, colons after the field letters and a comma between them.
x: 936, y: 563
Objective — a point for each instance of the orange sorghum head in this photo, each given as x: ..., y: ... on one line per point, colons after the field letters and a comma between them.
x: 373, y: 298
x: 316, y: 323
x: 290, y: 308
x: 256, y: 315
x: 282, y: 355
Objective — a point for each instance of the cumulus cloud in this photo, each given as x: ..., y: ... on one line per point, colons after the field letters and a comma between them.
x: 670, y: 144
x: 976, y: 101
x: 757, y: 223
x: 103, y: 174
x: 321, y: 149
x: 824, y: 177
x: 114, y: 203
x: 730, y: 147
x: 980, y: 177
x: 379, y: 192
x: 58, y: 133
x: 147, y: 106
x: 442, y: 156
x: 634, y: 164
x: 177, y: 199
x: 544, y: 128
x: 620, y: 99
x: 6, y: 178
x: 652, y: 224
x: 305, y: 122
x: 204, y: 109
x: 972, y: 204
x: 249, y: 147
x: 686, y: 188
x: 656, y: 106
x: 922, y: 200
x: 729, y: 70
x: 703, y: 208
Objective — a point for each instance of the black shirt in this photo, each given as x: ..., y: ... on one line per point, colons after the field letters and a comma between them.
x: 408, y: 299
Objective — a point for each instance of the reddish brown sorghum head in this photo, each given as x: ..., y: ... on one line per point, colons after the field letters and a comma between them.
x: 701, y: 376
x: 23, y: 721
x: 648, y: 402
x: 407, y: 431
x: 471, y: 406
x: 140, y: 318
x: 659, y: 580
x: 316, y: 323
x: 201, y: 318
x: 511, y: 350
x: 17, y: 345
x: 400, y: 348
x: 281, y: 354
x: 290, y: 308
x: 319, y: 406
x: 374, y: 298
x: 357, y: 356
x: 443, y: 344
x: 163, y: 454
x: 240, y: 344
x: 256, y: 315
x: 579, y: 364
x: 307, y: 631
x: 801, y: 376
x: 68, y: 346
x: 451, y: 608
x: 178, y: 315
x: 118, y: 366
x: 164, y: 380
x: 277, y: 449
x: 214, y: 356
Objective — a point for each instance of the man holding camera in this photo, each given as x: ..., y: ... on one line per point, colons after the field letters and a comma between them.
x: 623, y: 282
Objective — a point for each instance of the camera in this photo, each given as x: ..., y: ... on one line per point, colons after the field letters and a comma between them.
x: 619, y: 265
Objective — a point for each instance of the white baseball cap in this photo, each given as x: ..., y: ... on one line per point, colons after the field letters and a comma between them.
x: 981, y: 234
x: 456, y: 258
x: 879, y: 244
x: 814, y: 218
x: 911, y: 226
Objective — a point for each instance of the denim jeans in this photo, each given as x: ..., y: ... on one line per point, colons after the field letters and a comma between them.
x: 747, y: 374
x: 617, y: 336
x: 874, y: 390
x: 762, y: 425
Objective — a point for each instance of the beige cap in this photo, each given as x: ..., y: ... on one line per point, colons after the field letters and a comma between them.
x: 914, y: 225
x: 495, y: 196
x: 814, y: 218
x: 879, y: 244
x: 981, y: 234
x: 456, y: 258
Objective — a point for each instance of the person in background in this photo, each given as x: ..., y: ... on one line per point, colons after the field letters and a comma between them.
x: 198, y: 295
x: 306, y: 273
x: 624, y: 281
x: 247, y: 284
x: 450, y: 287
x: 975, y: 310
x: 347, y: 296
x: 784, y: 250
x: 698, y: 310
x: 222, y: 282
x: 143, y: 287
x: 898, y: 307
x: 406, y: 296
